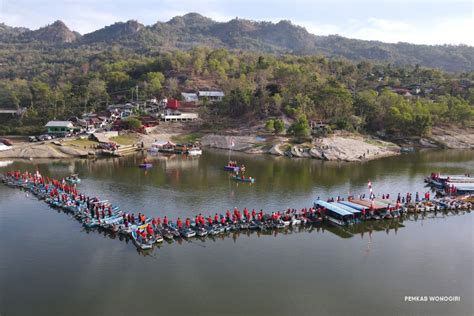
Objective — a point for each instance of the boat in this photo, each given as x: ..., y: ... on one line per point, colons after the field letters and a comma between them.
x: 232, y: 168
x: 73, y: 179
x: 187, y: 232
x: 141, y: 243
x: 242, y: 179
x: 334, y: 214
x: 145, y: 165
x: 195, y: 151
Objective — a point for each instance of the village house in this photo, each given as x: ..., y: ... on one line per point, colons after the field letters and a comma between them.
x: 210, y: 96
x: 190, y: 97
x: 59, y: 127
x: 171, y: 112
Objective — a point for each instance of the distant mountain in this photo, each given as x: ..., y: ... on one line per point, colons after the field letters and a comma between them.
x: 56, y: 33
x: 8, y: 33
x: 184, y: 32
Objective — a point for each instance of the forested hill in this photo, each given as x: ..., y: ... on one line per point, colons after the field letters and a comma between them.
x: 184, y: 32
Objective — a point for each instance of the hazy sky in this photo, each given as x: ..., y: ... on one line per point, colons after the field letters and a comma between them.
x: 417, y: 21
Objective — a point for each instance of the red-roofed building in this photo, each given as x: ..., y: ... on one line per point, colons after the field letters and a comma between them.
x: 172, y: 104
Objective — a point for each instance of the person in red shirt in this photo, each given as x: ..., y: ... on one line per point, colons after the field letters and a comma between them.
x: 227, y: 214
x: 153, y: 222
x: 223, y: 220
x: 143, y: 235
x: 209, y: 220
x: 254, y: 213
x: 188, y: 222
x: 149, y: 230
x: 165, y: 220
x: 216, y: 218
x: 158, y: 220
x: 179, y: 223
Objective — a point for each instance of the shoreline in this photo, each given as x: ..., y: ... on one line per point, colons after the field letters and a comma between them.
x: 340, y: 146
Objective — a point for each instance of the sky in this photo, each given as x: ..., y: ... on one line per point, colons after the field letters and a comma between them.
x: 416, y: 21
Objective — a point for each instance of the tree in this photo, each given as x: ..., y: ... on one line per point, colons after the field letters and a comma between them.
x: 97, y: 92
x: 133, y: 123
x: 279, y: 126
x: 334, y: 101
x: 300, y: 128
x: 153, y: 83
x: 270, y: 125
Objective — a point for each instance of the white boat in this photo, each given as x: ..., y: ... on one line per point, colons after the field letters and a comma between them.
x: 195, y: 151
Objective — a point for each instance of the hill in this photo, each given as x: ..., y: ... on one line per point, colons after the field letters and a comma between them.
x: 190, y: 30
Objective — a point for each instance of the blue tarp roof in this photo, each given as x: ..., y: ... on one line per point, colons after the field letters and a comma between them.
x: 333, y: 208
x: 354, y: 205
x: 345, y: 207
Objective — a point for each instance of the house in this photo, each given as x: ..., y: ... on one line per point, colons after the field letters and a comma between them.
x: 210, y: 96
x: 59, y: 127
x: 148, y: 121
x: 190, y: 97
x: 178, y: 116
x: 172, y: 104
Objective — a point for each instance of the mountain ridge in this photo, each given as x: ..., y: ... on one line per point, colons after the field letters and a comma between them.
x: 284, y: 37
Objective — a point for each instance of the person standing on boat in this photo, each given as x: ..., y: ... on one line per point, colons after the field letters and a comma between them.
x: 179, y: 223
x: 165, y: 221
x: 188, y: 222
x: 216, y: 219
x: 150, y: 230
x: 153, y: 222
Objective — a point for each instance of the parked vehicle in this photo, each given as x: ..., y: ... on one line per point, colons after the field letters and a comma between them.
x: 32, y: 139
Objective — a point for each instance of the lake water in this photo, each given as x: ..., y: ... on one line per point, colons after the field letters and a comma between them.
x: 50, y: 265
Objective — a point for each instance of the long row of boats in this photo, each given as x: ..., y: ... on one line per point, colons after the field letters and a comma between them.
x: 449, y: 184
x: 146, y: 231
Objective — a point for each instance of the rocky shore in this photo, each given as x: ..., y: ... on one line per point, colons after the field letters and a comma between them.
x: 337, y: 147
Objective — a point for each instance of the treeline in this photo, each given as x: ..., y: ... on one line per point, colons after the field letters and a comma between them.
x: 352, y: 96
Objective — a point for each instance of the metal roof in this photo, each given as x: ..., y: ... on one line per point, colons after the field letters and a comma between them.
x: 333, y: 208
x: 345, y: 207
x: 211, y: 94
x: 59, y: 124
x: 353, y: 205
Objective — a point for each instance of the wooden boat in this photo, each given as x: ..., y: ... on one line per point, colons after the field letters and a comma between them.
x: 145, y: 165
x: 72, y: 179
x: 139, y: 243
x: 232, y: 168
x: 249, y: 179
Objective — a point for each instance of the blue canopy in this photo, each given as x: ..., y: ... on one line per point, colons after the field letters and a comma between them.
x: 354, y: 205
x: 345, y: 207
x: 332, y: 207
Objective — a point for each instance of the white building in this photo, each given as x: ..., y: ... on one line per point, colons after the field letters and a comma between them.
x: 189, y: 97
x: 211, y: 96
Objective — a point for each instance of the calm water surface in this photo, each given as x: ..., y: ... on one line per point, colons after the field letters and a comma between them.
x: 49, y: 265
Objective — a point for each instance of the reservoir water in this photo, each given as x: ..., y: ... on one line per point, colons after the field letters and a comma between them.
x: 50, y: 265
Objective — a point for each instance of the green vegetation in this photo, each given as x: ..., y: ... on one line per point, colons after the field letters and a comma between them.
x: 270, y: 125
x: 185, y: 32
x: 60, y: 83
x: 279, y: 126
x: 132, y: 123
x: 186, y: 138
x: 300, y: 128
